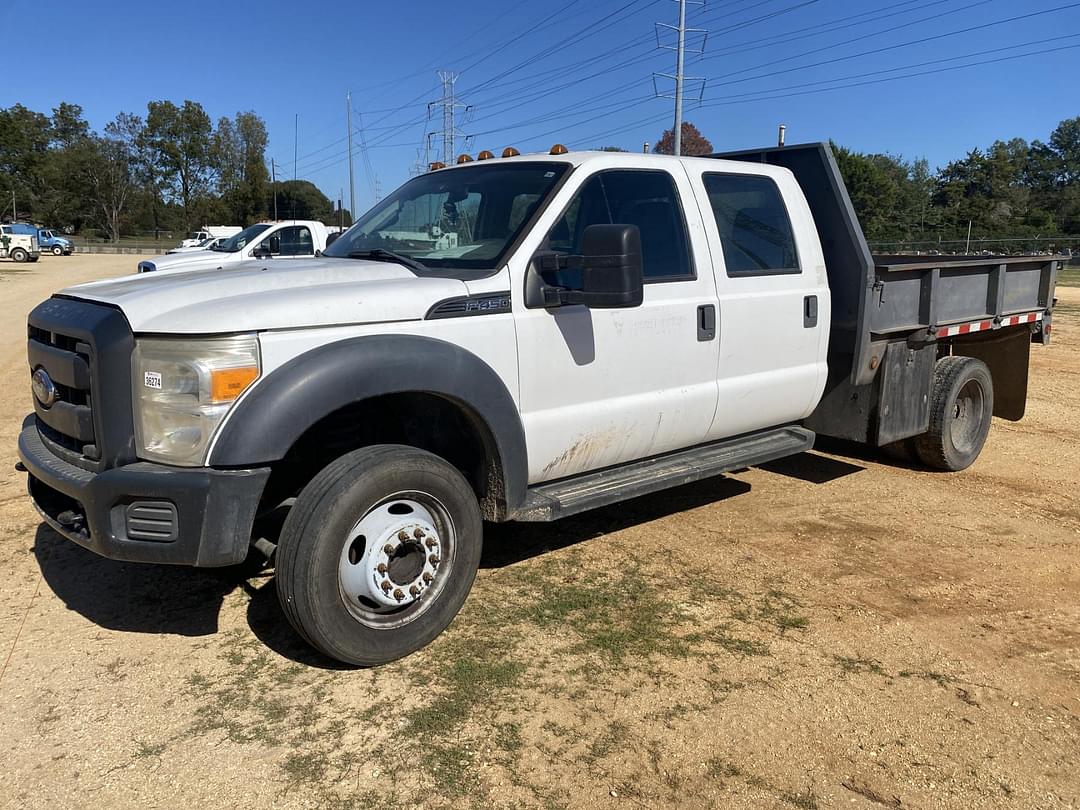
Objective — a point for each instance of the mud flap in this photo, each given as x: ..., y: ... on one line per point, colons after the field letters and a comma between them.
x: 1006, y: 354
x: 904, y: 393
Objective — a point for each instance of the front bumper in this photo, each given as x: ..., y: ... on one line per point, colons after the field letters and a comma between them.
x: 182, y: 516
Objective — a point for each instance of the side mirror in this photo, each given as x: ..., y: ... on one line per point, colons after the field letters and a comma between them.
x: 261, y: 251
x: 610, y: 267
x: 611, y: 274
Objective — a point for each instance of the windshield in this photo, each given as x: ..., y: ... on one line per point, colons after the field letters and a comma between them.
x: 238, y: 241
x: 463, y: 218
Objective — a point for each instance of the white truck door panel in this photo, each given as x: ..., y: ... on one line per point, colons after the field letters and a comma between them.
x: 603, y: 386
x: 773, y: 297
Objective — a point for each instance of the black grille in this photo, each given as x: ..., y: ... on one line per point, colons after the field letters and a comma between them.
x: 68, y: 424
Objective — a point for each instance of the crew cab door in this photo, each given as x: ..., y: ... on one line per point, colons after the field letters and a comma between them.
x: 773, y: 295
x: 603, y: 386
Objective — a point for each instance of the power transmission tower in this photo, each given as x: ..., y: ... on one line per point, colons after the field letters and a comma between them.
x: 348, y: 125
x: 451, y: 133
x: 679, y: 77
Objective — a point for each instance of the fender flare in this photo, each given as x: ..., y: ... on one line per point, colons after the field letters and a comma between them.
x: 280, y: 408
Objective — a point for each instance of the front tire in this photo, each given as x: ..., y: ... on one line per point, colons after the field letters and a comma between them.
x: 961, y: 407
x: 57, y: 251
x: 19, y: 255
x: 378, y: 553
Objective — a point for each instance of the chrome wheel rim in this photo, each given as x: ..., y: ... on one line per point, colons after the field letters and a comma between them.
x: 396, y: 560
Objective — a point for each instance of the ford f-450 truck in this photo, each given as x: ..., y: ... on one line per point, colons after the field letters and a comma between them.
x: 512, y: 339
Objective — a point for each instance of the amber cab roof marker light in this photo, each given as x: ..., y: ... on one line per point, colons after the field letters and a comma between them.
x: 463, y: 158
x: 487, y: 154
x: 558, y: 149
x: 510, y: 152
x: 438, y: 164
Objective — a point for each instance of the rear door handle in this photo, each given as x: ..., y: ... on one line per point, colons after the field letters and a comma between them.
x: 809, y: 318
x: 706, y: 322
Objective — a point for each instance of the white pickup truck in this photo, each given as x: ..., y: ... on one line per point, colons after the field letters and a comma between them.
x: 505, y: 339
x: 18, y: 246
x: 289, y: 240
x: 209, y: 232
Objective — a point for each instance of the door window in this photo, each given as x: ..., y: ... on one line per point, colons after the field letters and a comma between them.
x: 292, y: 241
x: 647, y: 199
x: 754, y: 226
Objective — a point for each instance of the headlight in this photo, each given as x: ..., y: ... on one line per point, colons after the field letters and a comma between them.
x: 182, y: 390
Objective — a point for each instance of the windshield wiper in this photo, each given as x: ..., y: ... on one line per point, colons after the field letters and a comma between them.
x: 381, y: 255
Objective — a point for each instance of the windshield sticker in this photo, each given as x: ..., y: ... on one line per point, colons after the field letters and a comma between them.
x: 152, y: 379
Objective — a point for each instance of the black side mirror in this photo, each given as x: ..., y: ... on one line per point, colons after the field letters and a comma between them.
x: 261, y: 251
x: 611, y: 271
x: 611, y: 274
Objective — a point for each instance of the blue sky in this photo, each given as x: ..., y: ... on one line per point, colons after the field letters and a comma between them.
x: 580, y: 72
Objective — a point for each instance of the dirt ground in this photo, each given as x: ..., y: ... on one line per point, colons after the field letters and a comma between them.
x: 829, y: 631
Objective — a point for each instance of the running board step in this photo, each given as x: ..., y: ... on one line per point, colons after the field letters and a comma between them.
x: 590, y: 490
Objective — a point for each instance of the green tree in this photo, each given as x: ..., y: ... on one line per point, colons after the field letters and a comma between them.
x: 301, y: 199
x: 179, y: 138
x: 238, y: 155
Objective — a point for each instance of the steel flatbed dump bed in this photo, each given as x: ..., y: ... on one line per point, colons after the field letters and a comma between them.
x: 893, y: 317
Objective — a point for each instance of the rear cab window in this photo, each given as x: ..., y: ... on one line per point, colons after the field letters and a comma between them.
x: 755, y: 229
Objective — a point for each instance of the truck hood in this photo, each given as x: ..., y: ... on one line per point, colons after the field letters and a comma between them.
x: 256, y: 296
x: 193, y: 260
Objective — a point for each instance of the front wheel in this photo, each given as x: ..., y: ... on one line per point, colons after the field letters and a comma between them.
x: 961, y: 407
x: 57, y: 251
x: 19, y: 255
x: 378, y: 553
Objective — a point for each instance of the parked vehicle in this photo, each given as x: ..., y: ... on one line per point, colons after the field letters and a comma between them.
x: 206, y: 244
x: 56, y: 245
x: 48, y: 242
x: 208, y: 232
x: 518, y: 339
x: 291, y: 240
x: 18, y: 246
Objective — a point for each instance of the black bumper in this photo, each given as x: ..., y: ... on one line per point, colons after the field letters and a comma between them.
x: 182, y: 516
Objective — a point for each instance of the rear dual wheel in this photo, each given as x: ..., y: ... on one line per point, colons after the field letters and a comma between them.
x: 961, y: 408
x: 378, y: 553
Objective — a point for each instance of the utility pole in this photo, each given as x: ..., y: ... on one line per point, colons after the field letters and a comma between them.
x: 295, y: 142
x: 680, y: 78
x: 352, y: 185
x: 273, y: 184
x: 679, y: 61
x: 967, y: 244
x: 450, y: 105
x: 14, y: 210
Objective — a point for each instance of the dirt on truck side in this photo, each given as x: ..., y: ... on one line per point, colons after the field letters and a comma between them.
x: 831, y: 630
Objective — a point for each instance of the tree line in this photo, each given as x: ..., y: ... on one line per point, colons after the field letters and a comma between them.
x: 171, y: 169
x: 1012, y: 190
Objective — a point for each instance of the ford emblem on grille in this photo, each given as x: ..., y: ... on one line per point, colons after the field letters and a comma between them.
x: 44, y: 388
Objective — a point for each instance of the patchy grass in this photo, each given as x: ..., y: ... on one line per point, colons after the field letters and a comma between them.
x: 859, y: 665
x: 1069, y: 277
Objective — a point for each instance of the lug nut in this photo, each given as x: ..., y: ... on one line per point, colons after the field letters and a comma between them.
x: 430, y: 542
x: 414, y: 591
x: 385, y: 586
x: 418, y: 533
x: 433, y: 559
x: 427, y: 578
x: 381, y: 568
x: 388, y: 549
x: 399, y: 594
x: 402, y: 536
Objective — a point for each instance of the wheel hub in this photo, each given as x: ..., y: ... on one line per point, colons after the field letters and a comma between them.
x: 391, y: 557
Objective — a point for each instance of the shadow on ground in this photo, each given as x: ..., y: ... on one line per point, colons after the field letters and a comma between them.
x: 143, y: 598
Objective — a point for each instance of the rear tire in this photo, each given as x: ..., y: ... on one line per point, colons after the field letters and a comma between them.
x: 19, y: 255
x: 961, y: 408
x: 378, y: 554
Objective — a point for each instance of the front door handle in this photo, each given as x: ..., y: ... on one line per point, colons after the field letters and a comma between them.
x: 706, y: 322
x: 809, y: 318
